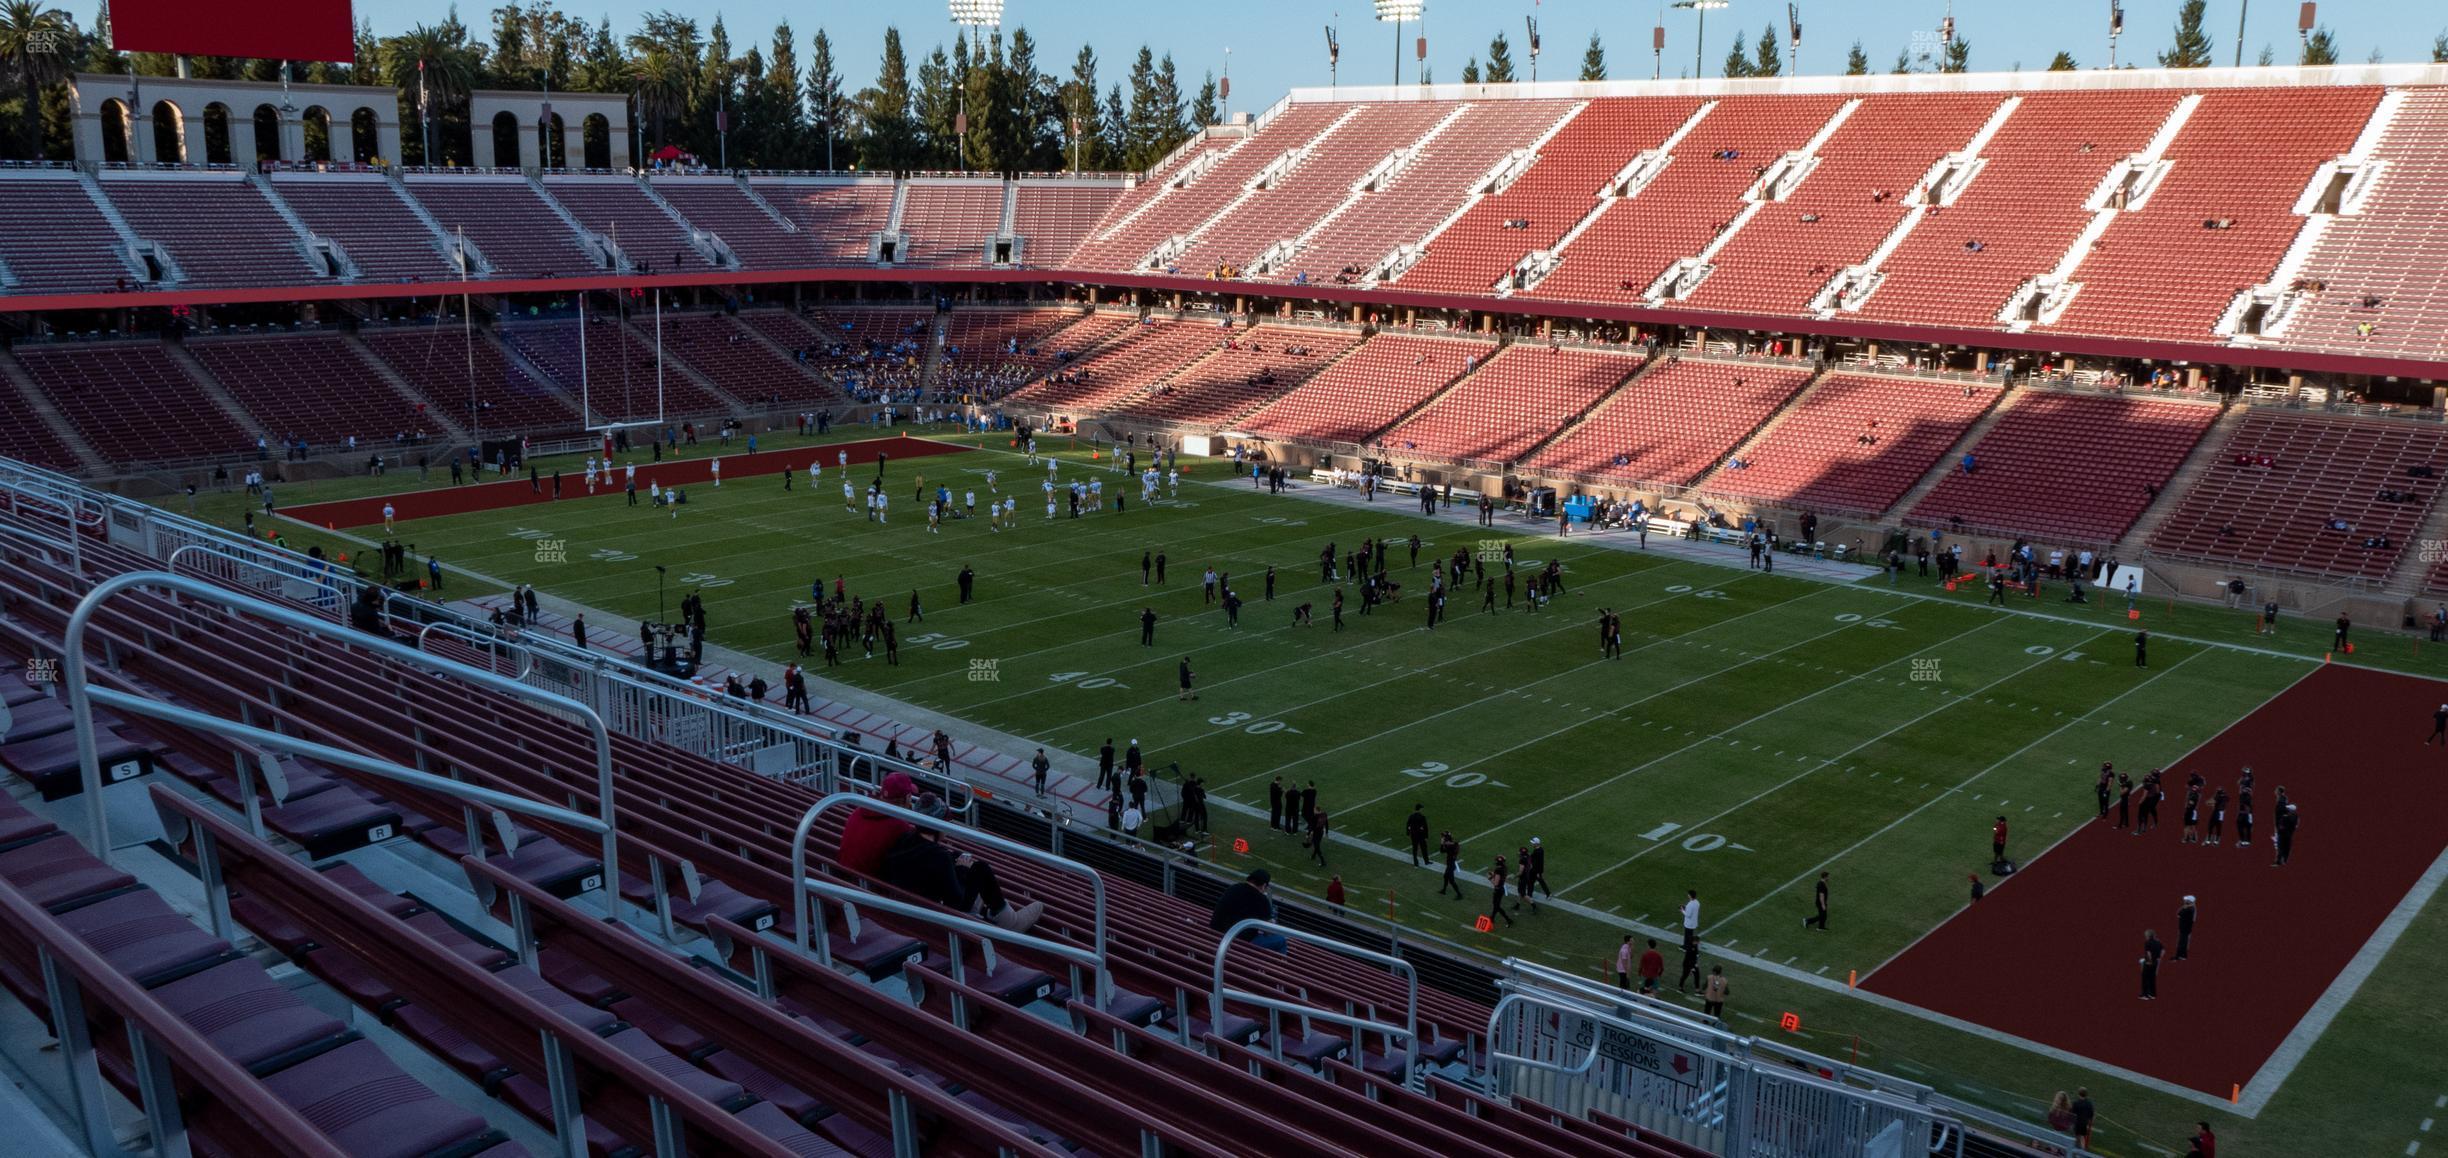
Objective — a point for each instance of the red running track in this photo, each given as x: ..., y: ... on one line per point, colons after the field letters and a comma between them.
x: 515, y: 491
x: 2053, y: 953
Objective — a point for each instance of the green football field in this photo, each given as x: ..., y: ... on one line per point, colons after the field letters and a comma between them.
x: 1757, y: 730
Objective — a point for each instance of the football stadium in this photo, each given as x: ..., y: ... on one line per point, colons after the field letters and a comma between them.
x: 574, y: 585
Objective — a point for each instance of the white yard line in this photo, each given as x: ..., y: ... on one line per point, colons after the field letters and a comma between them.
x: 2052, y: 733
x: 1839, y: 758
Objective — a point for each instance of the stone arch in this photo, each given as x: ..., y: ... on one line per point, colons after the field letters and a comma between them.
x: 509, y: 146
x: 365, y: 134
x: 596, y: 133
x: 216, y: 120
x: 555, y: 152
x: 116, y: 126
x: 169, y: 133
x: 315, y: 132
x: 267, y: 124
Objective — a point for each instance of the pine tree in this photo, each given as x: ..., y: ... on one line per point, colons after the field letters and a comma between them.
x: 828, y: 110
x: 888, y: 113
x: 2439, y: 48
x: 1903, y: 62
x: 2063, y: 62
x: 1499, y: 69
x: 1738, y: 59
x: 937, y: 107
x: 1141, y: 147
x: 1470, y: 71
x: 1857, y: 62
x: 786, y: 139
x: 1593, y: 60
x: 1080, y: 116
x: 1958, y: 56
x: 1203, y: 110
x: 1171, y: 109
x: 1117, y: 130
x: 2320, y: 47
x: 1767, y: 60
x: 2192, y: 47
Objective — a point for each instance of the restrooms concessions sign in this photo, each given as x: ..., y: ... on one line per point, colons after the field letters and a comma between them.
x: 265, y: 29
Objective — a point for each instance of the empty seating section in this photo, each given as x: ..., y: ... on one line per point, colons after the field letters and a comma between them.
x: 132, y: 402
x: 719, y: 204
x: 382, y: 236
x: 1178, y: 202
x: 1518, y: 398
x: 2277, y: 515
x: 1435, y: 184
x: 1855, y: 197
x: 1312, y: 187
x: 309, y: 386
x: 518, y: 234
x: 220, y: 232
x: 1697, y: 195
x: 619, y: 209
x: 30, y: 438
x: 1854, y: 443
x: 435, y: 361
x: 950, y: 223
x: 1122, y: 366
x: 2025, y: 207
x: 1262, y: 364
x: 721, y: 349
x: 1675, y: 422
x: 2076, y: 468
x: 1559, y: 188
x: 617, y: 378
x: 838, y: 219
x: 1382, y: 380
x: 2389, y: 251
x: 2242, y: 159
x: 1052, y: 218
x: 55, y: 240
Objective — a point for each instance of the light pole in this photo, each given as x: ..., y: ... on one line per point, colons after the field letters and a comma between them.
x: 1699, y: 8
x: 1398, y: 13
x: 971, y: 14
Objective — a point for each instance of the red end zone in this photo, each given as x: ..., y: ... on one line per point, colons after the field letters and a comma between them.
x: 2053, y: 954
x: 515, y: 491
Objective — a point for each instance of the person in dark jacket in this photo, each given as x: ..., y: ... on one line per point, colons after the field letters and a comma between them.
x: 920, y: 863
x: 1249, y: 901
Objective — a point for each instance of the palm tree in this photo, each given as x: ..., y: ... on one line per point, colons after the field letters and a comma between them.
x: 662, y: 89
x: 435, y: 60
x: 34, y: 45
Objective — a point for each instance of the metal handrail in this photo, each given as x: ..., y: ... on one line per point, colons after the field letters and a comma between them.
x: 70, y: 972
x: 1219, y: 993
x: 803, y: 913
x: 82, y: 698
x: 481, y: 639
x: 309, y: 569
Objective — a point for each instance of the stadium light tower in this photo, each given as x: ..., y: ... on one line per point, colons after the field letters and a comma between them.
x: 1399, y: 13
x: 1700, y: 8
x: 971, y: 14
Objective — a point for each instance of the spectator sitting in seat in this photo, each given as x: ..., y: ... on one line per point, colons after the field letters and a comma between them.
x: 868, y: 835
x: 1249, y: 901
x: 918, y: 862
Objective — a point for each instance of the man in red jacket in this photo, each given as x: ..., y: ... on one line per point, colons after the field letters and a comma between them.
x: 1652, y: 967
x: 869, y: 834
x: 1997, y: 841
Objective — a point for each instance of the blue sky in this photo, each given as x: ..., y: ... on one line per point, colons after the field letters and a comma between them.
x: 1279, y: 44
